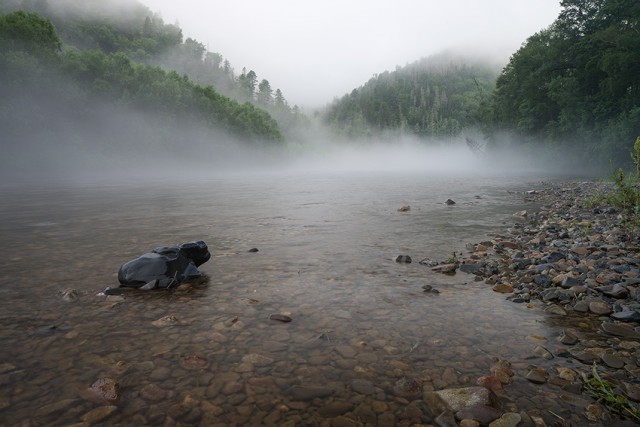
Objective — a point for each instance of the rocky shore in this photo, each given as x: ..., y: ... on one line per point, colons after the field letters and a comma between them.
x: 577, y: 259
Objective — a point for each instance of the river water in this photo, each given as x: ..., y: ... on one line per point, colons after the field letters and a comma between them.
x: 327, y: 245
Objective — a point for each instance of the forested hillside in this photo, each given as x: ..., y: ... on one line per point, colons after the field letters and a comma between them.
x: 100, y: 56
x: 130, y: 28
x: 577, y: 82
x: 435, y: 97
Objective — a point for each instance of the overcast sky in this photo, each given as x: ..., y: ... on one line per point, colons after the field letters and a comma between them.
x: 316, y: 50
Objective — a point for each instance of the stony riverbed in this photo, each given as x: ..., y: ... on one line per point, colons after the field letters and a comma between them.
x: 312, y: 329
x: 580, y: 260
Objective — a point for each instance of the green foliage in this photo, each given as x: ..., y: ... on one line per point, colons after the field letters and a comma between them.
x: 605, y: 394
x: 627, y: 194
x: 29, y: 33
x: 576, y: 81
x: 433, y: 97
x: 32, y: 58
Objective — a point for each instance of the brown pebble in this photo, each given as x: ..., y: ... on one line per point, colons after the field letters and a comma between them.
x: 280, y: 317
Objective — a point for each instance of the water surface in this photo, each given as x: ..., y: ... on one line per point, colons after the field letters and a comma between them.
x: 327, y: 245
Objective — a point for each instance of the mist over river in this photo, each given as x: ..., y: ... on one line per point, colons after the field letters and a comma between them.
x: 327, y: 245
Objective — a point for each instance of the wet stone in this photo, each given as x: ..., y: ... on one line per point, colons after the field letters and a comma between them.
x: 445, y: 268
x: 627, y: 316
x: 599, y: 307
x: 458, y: 398
x: 362, y: 386
x: 510, y: 419
x: 407, y: 388
x: 105, y: 388
x: 98, y: 414
x: 503, y: 288
x: 581, y: 306
x: 309, y: 392
x: 619, y: 330
x: 152, y: 392
x: 166, y: 321
x: 568, y: 338
x: 335, y: 409
x: 493, y: 383
x: 556, y: 309
x: 537, y: 375
x: 542, y: 352
x: 613, y: 361
x: 483, y: 414
x: 280, y: 317
x: 584, y: 356
x: 403, y: 259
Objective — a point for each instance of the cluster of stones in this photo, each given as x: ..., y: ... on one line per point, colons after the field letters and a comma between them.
x: 577, y: 261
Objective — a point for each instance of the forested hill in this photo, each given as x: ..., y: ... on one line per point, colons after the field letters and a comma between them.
x: 130, y: 28
x: 49, y: 80
x: 437, y: 96
x: 577, y: 81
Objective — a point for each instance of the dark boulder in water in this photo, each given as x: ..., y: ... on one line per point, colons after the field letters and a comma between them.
x: 165, y: 266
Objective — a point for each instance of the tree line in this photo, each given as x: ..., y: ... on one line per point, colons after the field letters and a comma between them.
x: 117, y: 60
x: 574, y: 84
x: 439, y: 96
x: 577, y: 81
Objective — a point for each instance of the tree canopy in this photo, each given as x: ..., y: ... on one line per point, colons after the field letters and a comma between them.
x: 33, y: 61
x: 577, y: 81
x: 435, y: 97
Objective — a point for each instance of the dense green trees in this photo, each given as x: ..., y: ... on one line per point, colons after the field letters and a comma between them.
x: 32, y: 62
x: 577, y: 81
x: 130, y: 28
x: 437, y: 96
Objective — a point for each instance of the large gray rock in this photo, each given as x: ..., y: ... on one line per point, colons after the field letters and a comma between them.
x: 165, y: 266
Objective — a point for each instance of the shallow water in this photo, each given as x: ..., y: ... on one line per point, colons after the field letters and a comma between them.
x: 327, y: 245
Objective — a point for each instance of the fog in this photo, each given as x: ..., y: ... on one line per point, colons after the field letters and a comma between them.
x: 314, y: 52
x: 317, y: 50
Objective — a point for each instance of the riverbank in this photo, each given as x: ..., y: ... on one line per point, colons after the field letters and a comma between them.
x: 576, y: 258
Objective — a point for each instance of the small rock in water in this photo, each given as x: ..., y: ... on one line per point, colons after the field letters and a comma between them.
x: 253, y: 250
x: 407, y: 388
x: 105, y: 388
x: 309, y: 392
x: 445, y: 269
x: 280, y: 317
x: 537, y: 375
x: 405, y: 208
x: 166, y: 321
x: 194, y: 362
x: 403, y: 259
x: 503, y: 288
x: 520, y: 214
x: 430, y: 289
x: 113, y: 291
x: 70, y: 295
x: 450, y: 202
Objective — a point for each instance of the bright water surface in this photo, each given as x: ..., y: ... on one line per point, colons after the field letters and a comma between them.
x: 327, y: 245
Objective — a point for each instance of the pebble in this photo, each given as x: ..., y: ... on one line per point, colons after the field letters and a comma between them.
x: 310, y: 392
x: 510, y: 419
x: 280, y: 317
x: 537, y: 375
x: 459, y: 398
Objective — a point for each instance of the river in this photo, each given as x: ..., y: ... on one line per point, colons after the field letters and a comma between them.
x: 326, y: 244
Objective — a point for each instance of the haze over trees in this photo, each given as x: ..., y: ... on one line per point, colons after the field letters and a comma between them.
x: 100, y: 57
x: 576, y: 82
x: 439, y: 96
x: 103, y: 77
